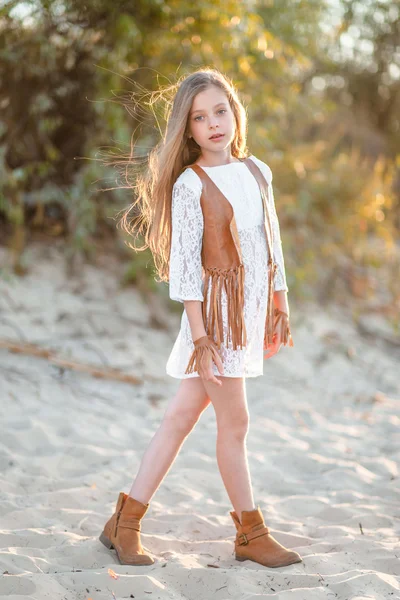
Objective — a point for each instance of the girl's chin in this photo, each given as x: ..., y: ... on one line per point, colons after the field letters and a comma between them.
x: 221, y: 143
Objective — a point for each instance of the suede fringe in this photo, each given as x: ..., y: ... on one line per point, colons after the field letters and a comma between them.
x: 232, y: 281
x: 281, y: 325
x: 200, y: 356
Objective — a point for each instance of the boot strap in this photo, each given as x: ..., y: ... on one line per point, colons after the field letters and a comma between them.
x: 251, y: 535
x: 129, y: 524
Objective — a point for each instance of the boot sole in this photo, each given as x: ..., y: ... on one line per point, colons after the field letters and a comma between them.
x: 243, y: 558
x: 110, y: 546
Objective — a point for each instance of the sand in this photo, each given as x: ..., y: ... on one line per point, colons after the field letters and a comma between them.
x: 323, y: 453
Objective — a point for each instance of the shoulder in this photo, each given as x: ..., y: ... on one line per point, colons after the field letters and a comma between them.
x: 264, y: 168
x: 188, y: 180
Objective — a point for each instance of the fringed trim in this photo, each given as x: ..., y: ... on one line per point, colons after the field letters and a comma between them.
x: 281, y: 327
x: 205, y: 348
x: 276, y: 320
x: 232, y: 281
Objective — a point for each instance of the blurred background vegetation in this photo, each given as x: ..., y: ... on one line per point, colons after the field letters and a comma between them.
x: 321, y: 84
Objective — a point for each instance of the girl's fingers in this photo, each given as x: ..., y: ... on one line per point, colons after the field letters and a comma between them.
x: 208, y: 374
x: 271, y: 350
x: 220, y: 366
x: 213, y: 379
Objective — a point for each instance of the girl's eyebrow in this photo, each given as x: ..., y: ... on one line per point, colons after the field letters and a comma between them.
x: 200, y: 109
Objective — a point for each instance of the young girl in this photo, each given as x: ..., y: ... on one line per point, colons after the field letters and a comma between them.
x: 198, y: 182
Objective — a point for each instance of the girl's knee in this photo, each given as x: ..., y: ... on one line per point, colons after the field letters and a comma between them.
x: 234, y: 426
x: 181, y: 419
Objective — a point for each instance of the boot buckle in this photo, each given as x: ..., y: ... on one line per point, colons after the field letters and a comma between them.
x: 246, y: 541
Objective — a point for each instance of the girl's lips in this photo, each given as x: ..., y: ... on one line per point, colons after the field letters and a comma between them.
x: 216, y: 139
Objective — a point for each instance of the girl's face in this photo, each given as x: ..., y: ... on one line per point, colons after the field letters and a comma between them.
x: 211, y: 114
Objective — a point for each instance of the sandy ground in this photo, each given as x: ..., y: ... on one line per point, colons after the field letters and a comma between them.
x: 323, y: 453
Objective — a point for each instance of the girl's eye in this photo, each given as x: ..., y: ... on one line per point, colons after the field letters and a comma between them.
x: 221, y: 110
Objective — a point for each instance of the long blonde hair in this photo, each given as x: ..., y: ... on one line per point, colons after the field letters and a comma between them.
x: 167, y: 160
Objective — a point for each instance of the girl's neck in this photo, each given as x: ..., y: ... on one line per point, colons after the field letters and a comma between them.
x: 216, y: 161
x: 234, y: 161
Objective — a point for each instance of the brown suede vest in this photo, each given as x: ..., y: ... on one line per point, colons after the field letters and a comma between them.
x: 222, y: 260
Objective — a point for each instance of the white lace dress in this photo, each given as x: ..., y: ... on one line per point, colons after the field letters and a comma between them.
x: 186, y: 276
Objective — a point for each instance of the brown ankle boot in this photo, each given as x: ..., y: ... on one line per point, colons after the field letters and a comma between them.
x: 254, y: 541
x: 122, y: 532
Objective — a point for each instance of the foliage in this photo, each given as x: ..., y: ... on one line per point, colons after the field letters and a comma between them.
x: 320, y: 81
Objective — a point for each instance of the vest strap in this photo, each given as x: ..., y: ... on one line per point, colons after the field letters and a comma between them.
x: 252, y: 535
x: 272, y: 265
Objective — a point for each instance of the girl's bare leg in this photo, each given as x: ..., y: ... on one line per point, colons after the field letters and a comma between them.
x: 180, y: 417
x: 230, y: 405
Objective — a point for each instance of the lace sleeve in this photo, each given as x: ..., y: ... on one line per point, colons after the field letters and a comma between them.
x: 185, y: 270
x: 280, y: 276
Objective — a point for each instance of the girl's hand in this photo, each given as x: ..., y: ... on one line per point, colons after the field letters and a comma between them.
x: 273, y: 348
x: 205, y: 355
x: 206, y: 372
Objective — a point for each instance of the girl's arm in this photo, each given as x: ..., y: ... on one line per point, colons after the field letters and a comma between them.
x: 281, y: 288
x: 280, y: 276
x: 280, y: 297
x: 186, y: 270
x: 185, y: 267
x: 281, y: 301
x: 185, y: 275
x: 194, y: 313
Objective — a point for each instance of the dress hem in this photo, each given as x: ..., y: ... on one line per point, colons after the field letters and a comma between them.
x: 195, y: 375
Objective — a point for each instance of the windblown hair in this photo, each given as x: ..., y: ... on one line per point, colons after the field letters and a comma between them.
x: 167, y: 159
